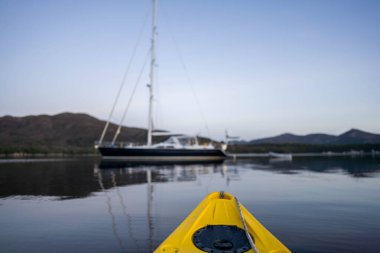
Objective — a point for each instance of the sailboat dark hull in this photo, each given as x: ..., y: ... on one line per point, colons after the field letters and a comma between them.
x: 157, y: 154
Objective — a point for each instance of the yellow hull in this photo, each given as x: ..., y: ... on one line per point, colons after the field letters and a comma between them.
x: 219, y: 213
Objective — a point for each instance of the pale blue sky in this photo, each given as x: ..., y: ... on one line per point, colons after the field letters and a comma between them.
x: 259, y: 68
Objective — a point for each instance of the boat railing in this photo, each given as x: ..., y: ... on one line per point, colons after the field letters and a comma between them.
x: 118, y: 144
x: 165, y: 144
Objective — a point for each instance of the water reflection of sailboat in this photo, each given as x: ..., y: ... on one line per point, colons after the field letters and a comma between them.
x: 135, y: 173
x: 151, y: 176
x: 115, y: 230
x: 231, y: 173
x: 124, y: 210
x: 111, y: 213
x: 112, y: 164
x: 150, y: 191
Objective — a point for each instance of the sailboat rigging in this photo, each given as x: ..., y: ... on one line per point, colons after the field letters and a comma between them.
x: 177, y: 148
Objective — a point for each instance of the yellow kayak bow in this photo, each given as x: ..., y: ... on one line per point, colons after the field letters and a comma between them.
x: 220, y: 224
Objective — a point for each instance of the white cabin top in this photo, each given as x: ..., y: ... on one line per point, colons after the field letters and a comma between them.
x: 182, y: 142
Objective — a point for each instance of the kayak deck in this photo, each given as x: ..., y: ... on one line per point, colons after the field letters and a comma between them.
x: 215, y: 225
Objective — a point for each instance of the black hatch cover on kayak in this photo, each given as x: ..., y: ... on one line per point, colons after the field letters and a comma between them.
x: 221, y: 239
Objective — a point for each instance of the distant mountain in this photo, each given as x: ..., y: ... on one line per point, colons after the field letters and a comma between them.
x: 65, y: 132
x: 299, y: 139
x: 353, y: 136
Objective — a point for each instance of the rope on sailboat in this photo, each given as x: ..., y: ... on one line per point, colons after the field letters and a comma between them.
x: 130, y: 99
x: 189, y: 81
x: 124, y: 79
x: 253, y: 246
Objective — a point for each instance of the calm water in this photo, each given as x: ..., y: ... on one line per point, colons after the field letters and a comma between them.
x: 310, y: 204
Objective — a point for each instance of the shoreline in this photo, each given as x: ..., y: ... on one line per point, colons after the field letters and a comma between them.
x: 49, y: 155
x: 54, y: 156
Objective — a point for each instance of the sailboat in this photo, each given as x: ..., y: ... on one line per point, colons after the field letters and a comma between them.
x: 178, y: 148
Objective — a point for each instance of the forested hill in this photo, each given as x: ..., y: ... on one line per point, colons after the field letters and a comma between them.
x: 65, y: 132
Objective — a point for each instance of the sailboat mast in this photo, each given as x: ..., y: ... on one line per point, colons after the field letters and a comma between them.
x: 152, y: 64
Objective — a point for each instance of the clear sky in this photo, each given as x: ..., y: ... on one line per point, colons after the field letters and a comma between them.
x: 258, y: 68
